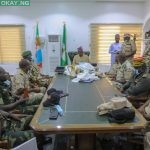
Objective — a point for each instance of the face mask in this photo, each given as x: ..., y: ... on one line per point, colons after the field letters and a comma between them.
x: 7, y: 82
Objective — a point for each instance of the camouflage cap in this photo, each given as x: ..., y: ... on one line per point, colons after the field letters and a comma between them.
x: 25, y: 54
x: 127, y: 35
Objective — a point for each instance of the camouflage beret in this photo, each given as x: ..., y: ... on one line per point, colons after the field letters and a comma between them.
x: 25, y: 54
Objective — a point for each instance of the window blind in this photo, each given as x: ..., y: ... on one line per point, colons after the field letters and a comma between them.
x: 102, y: 35
x: 12, y: 41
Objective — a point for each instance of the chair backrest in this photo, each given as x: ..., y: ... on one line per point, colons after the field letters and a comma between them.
x: 28, y: 145
x: 71, y: 54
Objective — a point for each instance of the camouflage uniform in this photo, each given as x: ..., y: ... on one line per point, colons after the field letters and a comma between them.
x: 146, y: 55
x: 21, y: 80
x: 5, y: 94
x: 11, y: 130
x: 128, y: 48
x: 125, y: 72
x: 34, y: 76
x: 138, y: 85
x: 114, y: 68
x: 7, y: 98
x: 147, y: 141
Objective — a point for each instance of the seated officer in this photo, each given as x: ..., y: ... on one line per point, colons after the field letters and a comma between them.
x: 138, y: 85
x: 13, y: 126
x: 7, y: 97
x: 34, y: 74
x: 21, y: 86
x: 112, y: 73
x: 124, y: 73
x: 80, y: 57
x: 126, y: 70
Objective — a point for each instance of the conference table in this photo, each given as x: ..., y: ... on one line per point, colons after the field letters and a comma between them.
x: 80, y: 115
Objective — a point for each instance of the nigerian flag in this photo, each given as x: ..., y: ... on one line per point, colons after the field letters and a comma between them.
x: 65, y: 60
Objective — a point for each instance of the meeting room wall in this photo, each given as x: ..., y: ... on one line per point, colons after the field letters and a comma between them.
x: 77, y: 16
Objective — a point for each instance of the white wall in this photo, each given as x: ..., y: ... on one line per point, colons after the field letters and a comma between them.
x: 146, y: 25
x: 77, y: 16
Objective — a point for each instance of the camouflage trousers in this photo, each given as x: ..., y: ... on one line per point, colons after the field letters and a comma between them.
x: 35, y: 98
x: 30, y: 106
x: 30, y: 110
x: 44, y: 82
x: 13, y: 125
x: 147, y: 61
x: 42, y: 90
x: 16, y: 138
x: 147, y: 141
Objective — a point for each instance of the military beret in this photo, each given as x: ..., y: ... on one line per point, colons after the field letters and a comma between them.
x: 25, y: 54
x: 138, y: 62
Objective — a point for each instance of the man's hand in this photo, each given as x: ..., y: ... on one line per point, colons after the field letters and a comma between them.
x: 141, y: 110
x: 36, y: 89
x: 15, y: 117
x: 21, y: 100
x: 9, y: 115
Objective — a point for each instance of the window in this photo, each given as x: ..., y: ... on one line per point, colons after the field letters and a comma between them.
x: 102, y: 35
x: 12, y: 40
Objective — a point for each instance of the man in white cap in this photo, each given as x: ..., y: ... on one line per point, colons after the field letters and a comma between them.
x: 80, y: 57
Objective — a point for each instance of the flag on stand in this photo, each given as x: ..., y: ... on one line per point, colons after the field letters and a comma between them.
x: 38, y: 49
x: 65, y: 60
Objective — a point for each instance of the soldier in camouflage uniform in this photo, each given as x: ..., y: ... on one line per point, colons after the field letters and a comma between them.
x: 139, y: 82
x: 112, y: 73
x: 128, y: 47
x: 146, y: 55
x: 125, y: 71
x: 34, y: 74
x: 11, y: 129
x: 6, y: 96
x: 20, y: 84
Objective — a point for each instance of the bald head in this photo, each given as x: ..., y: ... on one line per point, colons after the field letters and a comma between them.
x: 117, y: 38
x: 24, y: 65
x: 121, y: 57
